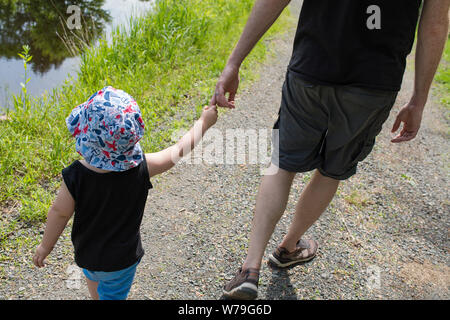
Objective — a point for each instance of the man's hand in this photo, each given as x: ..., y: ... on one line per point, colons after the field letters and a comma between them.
x: 263, y: 15
x: 411, y: 116
x: 228, y: 83
x: 431, y: 37
x: 40, y: 255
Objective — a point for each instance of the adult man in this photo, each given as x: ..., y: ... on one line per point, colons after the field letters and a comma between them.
x: 346, y: 69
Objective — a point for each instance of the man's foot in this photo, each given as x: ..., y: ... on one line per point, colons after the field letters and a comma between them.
x: 306, y: 250
x: 244, y: 285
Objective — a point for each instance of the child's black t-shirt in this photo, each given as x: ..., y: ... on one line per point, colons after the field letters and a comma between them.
x: 108, y: 212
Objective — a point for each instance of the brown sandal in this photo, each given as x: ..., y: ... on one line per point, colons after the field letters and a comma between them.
x: 306, y: 251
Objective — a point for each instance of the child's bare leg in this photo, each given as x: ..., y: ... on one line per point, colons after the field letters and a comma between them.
x: 92, y: 286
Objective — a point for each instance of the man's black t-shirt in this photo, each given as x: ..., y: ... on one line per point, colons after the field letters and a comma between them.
x: 108, y: 212
x: 355, y: 42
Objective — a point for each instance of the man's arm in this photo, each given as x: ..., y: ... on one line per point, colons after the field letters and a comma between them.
x: 431, y: 38
x: 262, y: 17
x: 164, y: 160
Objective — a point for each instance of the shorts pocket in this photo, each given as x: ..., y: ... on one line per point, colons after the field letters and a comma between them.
x: 368, y: 92
x: 367, y: 147
x: 372, y: 132
x: 300, y: 82
x: 366, y: 101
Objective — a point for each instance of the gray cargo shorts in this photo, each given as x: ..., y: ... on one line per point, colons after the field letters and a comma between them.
x: 329, y: 128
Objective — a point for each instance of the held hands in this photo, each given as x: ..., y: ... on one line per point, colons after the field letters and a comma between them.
x: 228, y: 83
x: 411, y: 116
x: 40, y: 255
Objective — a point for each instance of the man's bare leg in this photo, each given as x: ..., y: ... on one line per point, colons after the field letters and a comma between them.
x: 270, y: 205
x: 313, y: 201
x: 271, y: 202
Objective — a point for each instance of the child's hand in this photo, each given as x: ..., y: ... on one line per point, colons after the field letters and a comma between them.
x: 40, y: 255
x: 209, y: 116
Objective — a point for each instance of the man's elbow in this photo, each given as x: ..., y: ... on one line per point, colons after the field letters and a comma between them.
x: 58, y: 212
x: 436, y: 27
x: 439, y: 30
x: 435, y: 15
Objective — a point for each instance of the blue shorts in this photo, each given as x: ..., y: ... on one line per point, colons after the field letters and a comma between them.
x: 113, y: 285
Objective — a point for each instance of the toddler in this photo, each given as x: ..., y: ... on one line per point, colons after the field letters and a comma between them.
x: 107, y: 190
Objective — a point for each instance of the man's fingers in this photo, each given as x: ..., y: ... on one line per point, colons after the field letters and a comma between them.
x: 213, y: 101
x: 396, y: 125
x: 218, y: 97
x: 398, y: 139
x: 232, y: 97
x: 38, y: 261
x: 42, y: 262
x: 221, y: 100
x: 404, y: 136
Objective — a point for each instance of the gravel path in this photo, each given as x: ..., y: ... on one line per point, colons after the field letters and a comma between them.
x: 385, y: 235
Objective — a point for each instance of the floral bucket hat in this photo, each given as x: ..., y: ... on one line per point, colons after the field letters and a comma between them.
x: 107, y: 129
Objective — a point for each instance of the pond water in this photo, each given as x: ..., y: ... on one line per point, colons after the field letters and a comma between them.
x: 43, y: 25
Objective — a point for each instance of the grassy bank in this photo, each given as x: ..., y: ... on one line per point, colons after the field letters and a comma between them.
x: 168, y: 60
x: 443, y: 80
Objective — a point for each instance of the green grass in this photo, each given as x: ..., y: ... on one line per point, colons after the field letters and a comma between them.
x: 168, y: 60
x: 443, y: 80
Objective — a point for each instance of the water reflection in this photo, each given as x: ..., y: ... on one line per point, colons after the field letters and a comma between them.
x: 42, y: 25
